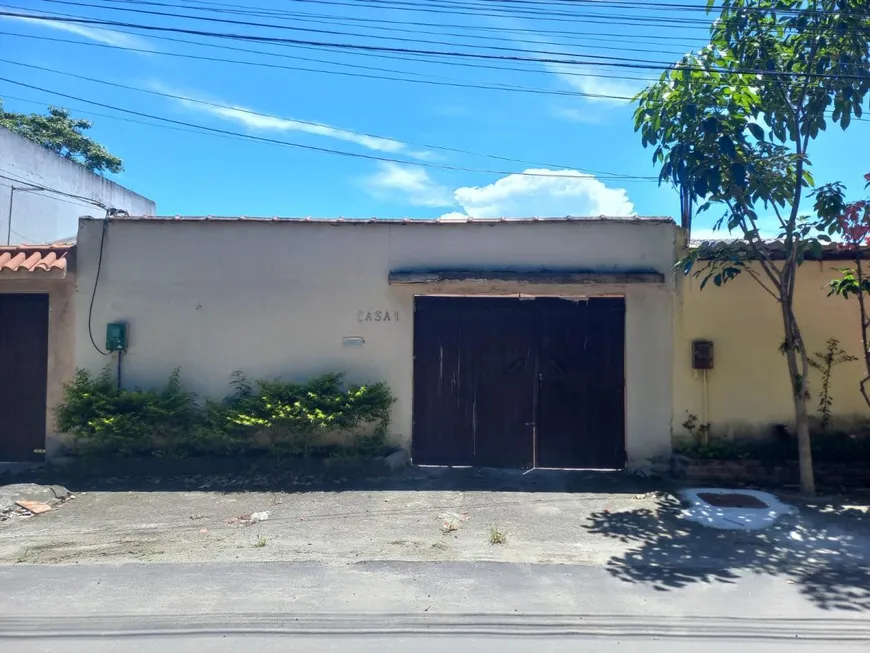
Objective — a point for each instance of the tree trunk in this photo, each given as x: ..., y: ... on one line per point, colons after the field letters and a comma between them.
x: 798, y: 381
x: 805, y: 452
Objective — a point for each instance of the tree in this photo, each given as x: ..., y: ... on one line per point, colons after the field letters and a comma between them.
x: 851, y: 220
x: 61, y: 133
x: 731, y: 126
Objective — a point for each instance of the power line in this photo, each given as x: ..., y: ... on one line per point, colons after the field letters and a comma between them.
x: 458, y: 64
x: 492, y: 87
x: 570, y: 73
x: 333, y: 18
x: 339, y: 22
x: 109, y: 116
x: 434, y: 7
x: 225, y: 21
x: 41, y: 188
x: 263, y: 139
x: 472, y: 55
x: 303, y: 122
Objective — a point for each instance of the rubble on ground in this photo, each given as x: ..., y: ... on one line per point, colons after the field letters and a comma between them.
x: 26, y: 500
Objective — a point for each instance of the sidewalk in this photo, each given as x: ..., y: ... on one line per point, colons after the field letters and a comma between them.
x: 423, y: 514
x: 628, y: 526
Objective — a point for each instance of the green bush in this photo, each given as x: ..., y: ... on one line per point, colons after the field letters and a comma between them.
x: 827, y: 448
x: 281, y: 417
x: 106, y: 419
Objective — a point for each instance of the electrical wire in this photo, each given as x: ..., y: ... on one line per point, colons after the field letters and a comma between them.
x: 96, y: 283
x: 303, y: 122
x: 463, y: 64
x: 263, y: 139
x: 472, y: 55
x: 332, y: 18
x: 41, y: 188
x: 390, y: 26
x: 332, y: 32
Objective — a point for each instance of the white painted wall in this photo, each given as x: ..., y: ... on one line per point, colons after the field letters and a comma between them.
x: 46, y: 217
x: 275, y: 298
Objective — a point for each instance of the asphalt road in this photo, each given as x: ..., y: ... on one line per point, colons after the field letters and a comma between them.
x: 399, y: 606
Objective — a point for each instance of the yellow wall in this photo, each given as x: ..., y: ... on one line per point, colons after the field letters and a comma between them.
x: 748, y: 389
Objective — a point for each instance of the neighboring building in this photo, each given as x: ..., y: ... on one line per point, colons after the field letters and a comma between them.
x: 747, y: 393
x: 37, y: 292
x: 478, y: 327
x: 43, y: 194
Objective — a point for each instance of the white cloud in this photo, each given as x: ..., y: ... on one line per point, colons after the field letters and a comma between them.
x: 260, y: 122
x: 586, y: 82
x: 99, y: 34
x: 544, y: 193
x: 410, y: 183
x: 587, y: 114
x: 535, y: 192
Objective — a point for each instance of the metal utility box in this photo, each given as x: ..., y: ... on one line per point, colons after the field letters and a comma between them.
x: 702, y: 354
x: 116, y: 336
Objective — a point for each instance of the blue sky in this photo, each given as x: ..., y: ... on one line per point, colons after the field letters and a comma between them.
x: 546, y: 126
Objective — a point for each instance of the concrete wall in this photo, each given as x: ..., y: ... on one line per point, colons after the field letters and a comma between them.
x: 61, y: 339
x: 45, y: 217
x: 275, y: 299
x: 748, y: 390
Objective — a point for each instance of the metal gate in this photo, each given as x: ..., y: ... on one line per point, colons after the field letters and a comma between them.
x: 23, y: 376
x: 518, y: 383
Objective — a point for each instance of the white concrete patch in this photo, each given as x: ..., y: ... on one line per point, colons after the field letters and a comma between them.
x: 745, y: 519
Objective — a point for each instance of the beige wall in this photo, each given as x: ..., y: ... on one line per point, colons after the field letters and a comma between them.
x: 61, y: 337
x: 748, y: 390
x: 275, y: 299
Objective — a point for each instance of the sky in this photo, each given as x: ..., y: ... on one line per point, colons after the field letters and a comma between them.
x: 356, y: 131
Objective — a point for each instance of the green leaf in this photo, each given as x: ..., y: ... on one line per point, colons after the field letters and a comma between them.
x: 756, y: 130
x: 726, y: 145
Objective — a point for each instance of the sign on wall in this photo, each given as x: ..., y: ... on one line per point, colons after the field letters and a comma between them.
x: 367, y: 315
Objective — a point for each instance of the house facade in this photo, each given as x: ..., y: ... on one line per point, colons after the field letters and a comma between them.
x: 747, y: 393
x: 517, y: 343
x: 37, y: 347
x: 476, y: 326
x: 43, y: 194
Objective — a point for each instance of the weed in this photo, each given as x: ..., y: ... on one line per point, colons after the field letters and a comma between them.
x: 824, y: 362
x: 497, y: 536
x: 260, y: 543
x: 449, y: 526
x: 440, y: 546
x: 700, y: 432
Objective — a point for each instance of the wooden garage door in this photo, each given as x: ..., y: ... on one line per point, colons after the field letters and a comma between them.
x: 23, y: 376
x: 519, y: 383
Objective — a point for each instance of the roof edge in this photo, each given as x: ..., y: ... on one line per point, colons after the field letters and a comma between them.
x: 385, y: 221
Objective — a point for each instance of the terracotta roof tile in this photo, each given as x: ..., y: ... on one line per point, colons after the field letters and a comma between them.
x: 34, y: 258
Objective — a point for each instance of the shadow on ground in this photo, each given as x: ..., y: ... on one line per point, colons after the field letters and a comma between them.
x: 825, y: 551
x: 432, y: 479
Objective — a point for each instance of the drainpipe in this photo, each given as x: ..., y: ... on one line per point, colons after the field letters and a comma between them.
x: 9, y: 225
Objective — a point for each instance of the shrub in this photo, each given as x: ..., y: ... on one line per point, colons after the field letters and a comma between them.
x: 827, y: 448
x: 292, y: 417
x: 106, y: 419
x: 282, y: 417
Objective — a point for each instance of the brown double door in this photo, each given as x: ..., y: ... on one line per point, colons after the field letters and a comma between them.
x: 23, y: 376
x: 504, y: 382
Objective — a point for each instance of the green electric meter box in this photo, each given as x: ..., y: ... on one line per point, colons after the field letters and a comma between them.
x: 116, y: 336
